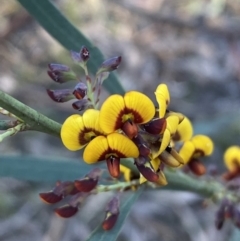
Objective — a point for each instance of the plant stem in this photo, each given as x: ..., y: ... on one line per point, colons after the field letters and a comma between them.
x: 35, y: 120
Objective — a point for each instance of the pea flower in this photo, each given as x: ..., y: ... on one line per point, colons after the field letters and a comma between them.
x: 78, y: 130
x: 111, y: 148
x: 232, y: 162
x: 198, y: 146
x: 124, y: 112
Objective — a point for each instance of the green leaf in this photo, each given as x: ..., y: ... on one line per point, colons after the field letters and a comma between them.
x: 42, y: 169
x: 100, y: 235
x: 52, y: 20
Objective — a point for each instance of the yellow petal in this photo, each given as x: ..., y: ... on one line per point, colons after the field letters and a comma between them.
x: 203, y: 145
x: 164, y: 143
x: 126, y: 173
x: 168, y: 159
x: 140, y: 106
x: 155, y: 163
x: 187, y: 151
x: 112, y: 110
x: 163, y: 98
x: 91, y: 120
x: 232, y: 157
x: 162, y: 181
x: 96, y: 150
x: 142, y: 179
x: 172, y: 124
x: 70, y: 131
x: 122, y: 146
x: 184, y: 130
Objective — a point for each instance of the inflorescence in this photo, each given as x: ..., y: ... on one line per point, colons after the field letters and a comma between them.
x: 128, y: 127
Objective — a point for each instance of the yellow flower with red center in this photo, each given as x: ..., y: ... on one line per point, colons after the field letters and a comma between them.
x: 77, y: 131
x: 123, y: 112
x: 198, y: 146
x: 111, y: 148
x: 232, y: 162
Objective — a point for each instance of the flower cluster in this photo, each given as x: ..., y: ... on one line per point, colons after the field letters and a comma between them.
x: 128, y: 127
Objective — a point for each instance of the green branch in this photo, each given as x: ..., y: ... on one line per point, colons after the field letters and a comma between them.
x: 35, y: 120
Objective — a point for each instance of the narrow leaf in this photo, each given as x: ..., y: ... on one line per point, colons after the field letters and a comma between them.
x: 100, y: 235
x: 51, y: 19
x: 42, y: 169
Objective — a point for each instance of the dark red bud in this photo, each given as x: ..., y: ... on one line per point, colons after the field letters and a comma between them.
x: 80, y: 90
x: 112, y: 212
x: 109, y: 221
x: 147, y: 171
x: 197, y: 167
x: 80, y: 105
x: 60, y: 96
x: 84, y: 54
x: 66, y: 211
x: 61, y: 73
x: 110, y: 64
x: 155, y: 126
x: 113, y: 164
x: 144, y: 150
x: 90, y: 181
x: 50, y: 197
x: 86, y: 184
x: 130, y: 129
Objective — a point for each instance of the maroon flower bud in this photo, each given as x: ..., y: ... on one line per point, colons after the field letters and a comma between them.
x: 80, y: 105
x: 110, y: 64
x: 61, y: 73
x: 80, y: 90
x: 144, y: 150
x: 84, y: 53
x: 82, y: 56
x: 90, y: 181
x: 113, y: 164
x: 60, y: 96
x: 130, y: 129
x: 112, y: 212
x: 155, y: 126
x: 50, y: 197
x: 197, y: 167
x: 66, y: 211
x: 147, y: 170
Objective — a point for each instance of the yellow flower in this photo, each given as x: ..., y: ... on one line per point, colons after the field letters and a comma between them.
x: 77, y: 131
x: 184, y: 130
x: 110, y: 148
x: 232, y: 158
x: 198, y: 146
x: 163, y: 99
x: 133, y: 107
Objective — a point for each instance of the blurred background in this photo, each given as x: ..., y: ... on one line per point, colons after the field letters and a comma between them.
x: 192, y: 46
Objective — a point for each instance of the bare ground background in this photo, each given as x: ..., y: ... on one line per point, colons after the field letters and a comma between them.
x: 193, y: 46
